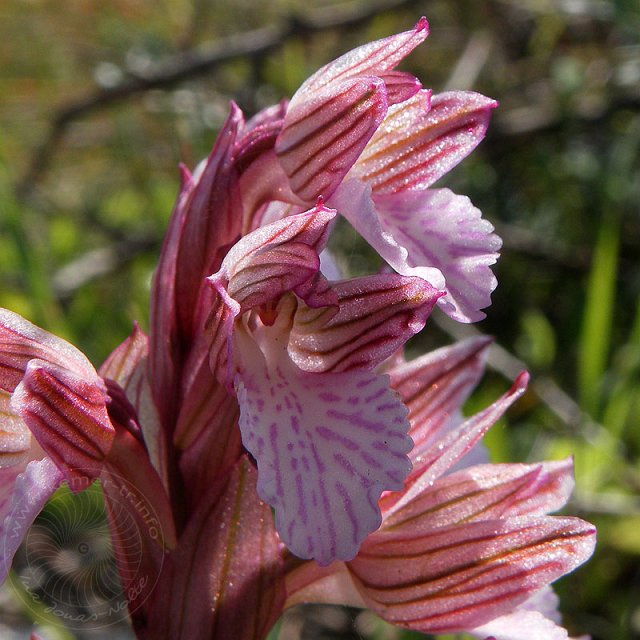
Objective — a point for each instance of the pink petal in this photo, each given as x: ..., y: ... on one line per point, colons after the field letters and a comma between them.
x: 124, y: 359
x: 23, y: 493
x: 326, y: 445
x: 444, y: 453
x: 421, y: 140
x: 456, y: 578
x: 535, y: 619
x: 377, y: 315
x: 375, y: 58
x: 323, y: 136
x: 483, y: 492
x: 269, y: 274
x: 67, y: 415
x: 441, y: 229
x: 248, y: 259
x: 259, y: 269
x: 550, y: 491
x: 435, y: 386
x: 354, y: 200
x: 21, y: 341
x: 226, y: 574
x: 400, y: 86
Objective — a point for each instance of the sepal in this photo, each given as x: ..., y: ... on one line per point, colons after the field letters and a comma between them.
x: 460, y: 577
x: 434, y: 387
x: 454, y: 444
x: 67, y: 415
x: 422, y: 139
x: 377, y: 58
x: 323, y: 135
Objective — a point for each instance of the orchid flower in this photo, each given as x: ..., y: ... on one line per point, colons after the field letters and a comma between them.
x: 466, y: 550
x: 377, y: 165
x: 271, y: 442
x: 54, y: 423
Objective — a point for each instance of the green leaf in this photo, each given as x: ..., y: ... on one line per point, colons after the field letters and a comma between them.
x: 595, y: 340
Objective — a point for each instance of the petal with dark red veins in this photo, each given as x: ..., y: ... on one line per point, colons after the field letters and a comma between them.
x: 376, y: 316
x: 323, y: 136
x: 21, y: 341
x: 435, y: 386
x: 67, y: 415
x: 422, y: 139
x: 374, y: 58
x: 445, y: 452
x: 460, y: 577
x: 486, y: 492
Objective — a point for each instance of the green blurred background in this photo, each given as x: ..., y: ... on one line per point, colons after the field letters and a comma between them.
x: 101, y: 99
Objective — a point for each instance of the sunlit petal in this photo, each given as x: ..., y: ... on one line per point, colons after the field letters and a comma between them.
x: 327, y: 445
x: 376, y: 316
x: 460, y: 577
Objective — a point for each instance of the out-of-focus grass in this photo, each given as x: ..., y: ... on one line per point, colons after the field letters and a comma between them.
x: 559, y: 175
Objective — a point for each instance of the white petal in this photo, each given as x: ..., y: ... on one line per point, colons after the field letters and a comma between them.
x: 326, y: 445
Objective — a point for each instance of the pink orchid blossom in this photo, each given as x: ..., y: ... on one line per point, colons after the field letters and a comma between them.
x: 377, y: 167
x: 54, y: 424
x: 468, y: 550
x: 269, y: 439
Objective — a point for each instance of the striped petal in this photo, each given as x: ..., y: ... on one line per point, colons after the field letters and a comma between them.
x: 267, y: 262
x: 67, y: 415
x: 435, y: 386
x: 375, y: 58
x: 376, y: 316
x: 323, y: 136
x: 326, y: 445
x: 445, y: 452
x: 459, y: 577
x: 486, y: 492
x: 21, y: 341
x: 260, y: 268
x: 422, y: 139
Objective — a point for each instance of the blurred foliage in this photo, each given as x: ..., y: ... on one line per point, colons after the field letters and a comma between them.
x: 85, y: 197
